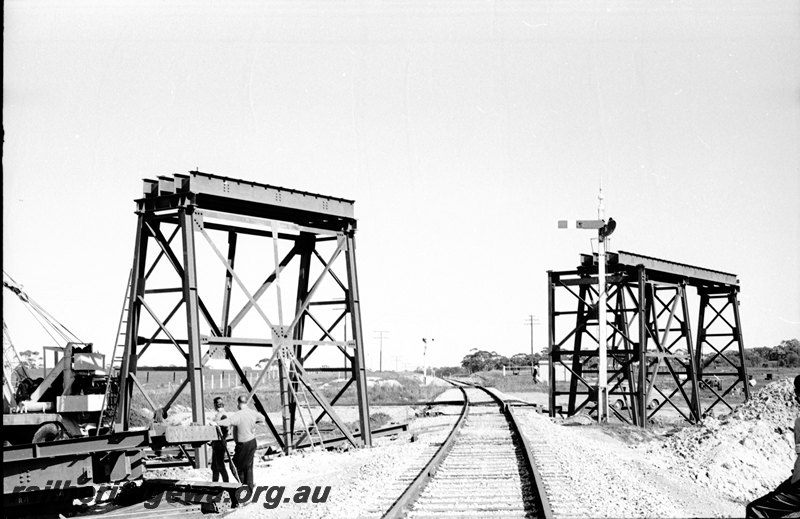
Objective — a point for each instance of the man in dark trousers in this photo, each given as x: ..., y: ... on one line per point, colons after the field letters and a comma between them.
x: 785, y: 499
x: 244, y: 423
x: 219, y: 448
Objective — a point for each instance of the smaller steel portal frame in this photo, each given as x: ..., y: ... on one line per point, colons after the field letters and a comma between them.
x: 181, y: 221
x: 655, y: 360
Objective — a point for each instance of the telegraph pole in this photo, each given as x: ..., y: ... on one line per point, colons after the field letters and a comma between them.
x: 532, y: 321
x: 381, y: 337
x: 603, y: 231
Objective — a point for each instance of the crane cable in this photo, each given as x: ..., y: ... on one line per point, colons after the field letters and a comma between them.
x: 43, y: 315
x: 52, y: 321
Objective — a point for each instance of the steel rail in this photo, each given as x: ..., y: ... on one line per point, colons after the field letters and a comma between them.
x: 543, y: 502
x: 415, y: 489
x: 417, y: 485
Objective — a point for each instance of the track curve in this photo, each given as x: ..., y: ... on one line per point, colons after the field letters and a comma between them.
x: 484, y: 468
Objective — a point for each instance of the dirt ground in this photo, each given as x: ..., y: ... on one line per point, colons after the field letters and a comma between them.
x: 356, y: 478
x: 671, y: 470
x: 713, y: 469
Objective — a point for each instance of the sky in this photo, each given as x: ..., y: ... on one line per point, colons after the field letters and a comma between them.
x: 463, y: 131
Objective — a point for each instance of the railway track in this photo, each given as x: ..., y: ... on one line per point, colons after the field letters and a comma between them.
x: 484, y: 468
x: 564, y: 495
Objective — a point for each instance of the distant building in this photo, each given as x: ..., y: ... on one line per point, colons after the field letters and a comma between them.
x: 562, y: 374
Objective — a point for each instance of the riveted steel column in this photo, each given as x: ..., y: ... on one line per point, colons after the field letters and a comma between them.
x: 551, y: 339
x: 577, y: 365
x: 359, y: 367
x: 737, y: 333
x: 123, y: 411
x: 686, y: 330
x: 226, y: 296
x: 306, y: 243
x: 187, y: 220
x: 701, y: 338
x: 627, y: 371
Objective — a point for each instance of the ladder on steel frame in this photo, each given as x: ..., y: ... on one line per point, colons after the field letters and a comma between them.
x: 111, y: 397
x: 301, y: 399
x: 303, y: 405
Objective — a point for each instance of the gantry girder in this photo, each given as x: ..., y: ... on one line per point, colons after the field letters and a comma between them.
x: 181, y: 221
x: 655, y: 361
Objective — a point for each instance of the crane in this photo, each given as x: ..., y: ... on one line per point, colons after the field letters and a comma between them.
x: 66, y: 401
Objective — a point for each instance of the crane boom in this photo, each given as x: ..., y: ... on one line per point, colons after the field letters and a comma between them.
x: 11, y: 363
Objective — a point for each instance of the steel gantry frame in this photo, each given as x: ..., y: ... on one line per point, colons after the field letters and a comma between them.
x: 197, y: 205
x: 654, y: 359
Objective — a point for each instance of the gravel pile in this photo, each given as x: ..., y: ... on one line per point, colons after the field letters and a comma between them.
x: 600, y: 475
x: 774, y: 403
x: 744, y: 454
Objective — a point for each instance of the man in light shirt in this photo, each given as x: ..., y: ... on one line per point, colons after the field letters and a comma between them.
x: 244, y: 423
x: 784, y: 501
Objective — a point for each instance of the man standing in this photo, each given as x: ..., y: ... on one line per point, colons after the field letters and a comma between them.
x: 244, y: 423
x: 786, y: 498
x: 219, y: 448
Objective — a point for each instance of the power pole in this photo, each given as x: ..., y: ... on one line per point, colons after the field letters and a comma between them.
x: 532, y: 321
x: 381, y: 337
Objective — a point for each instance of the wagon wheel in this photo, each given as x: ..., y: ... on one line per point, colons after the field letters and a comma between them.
x: 48, y: 432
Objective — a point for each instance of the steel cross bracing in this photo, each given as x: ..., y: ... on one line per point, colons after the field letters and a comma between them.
x: 181, y: 220
x: 655, y: 362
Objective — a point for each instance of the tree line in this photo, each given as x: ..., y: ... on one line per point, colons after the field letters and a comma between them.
x: 785, y: 354
x: 482, y: 360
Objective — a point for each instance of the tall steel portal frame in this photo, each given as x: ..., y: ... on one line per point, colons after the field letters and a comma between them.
x: 653, y: 358
x: 200, y: 210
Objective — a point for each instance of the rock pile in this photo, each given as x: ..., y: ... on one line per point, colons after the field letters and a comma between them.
x: 775, y: 403
x: 744, y: 454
